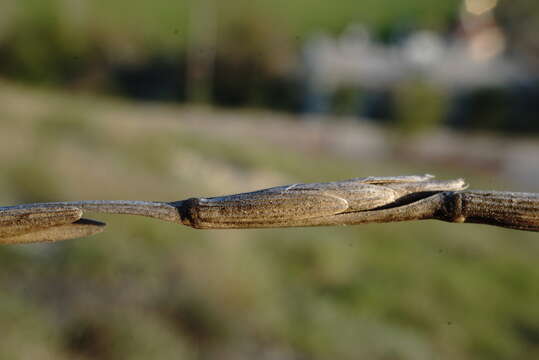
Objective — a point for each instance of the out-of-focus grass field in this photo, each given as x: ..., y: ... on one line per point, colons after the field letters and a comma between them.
x: 147, y: 289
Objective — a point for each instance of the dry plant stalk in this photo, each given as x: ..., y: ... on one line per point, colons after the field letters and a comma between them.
x: 349, y: 202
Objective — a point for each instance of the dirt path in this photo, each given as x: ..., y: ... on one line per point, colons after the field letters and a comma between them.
x: 514, y: 160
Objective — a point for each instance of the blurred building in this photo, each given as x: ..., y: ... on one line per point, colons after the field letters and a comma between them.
x: 469, y: 66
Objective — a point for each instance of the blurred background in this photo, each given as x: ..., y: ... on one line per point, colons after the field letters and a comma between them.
x: 165, y: 100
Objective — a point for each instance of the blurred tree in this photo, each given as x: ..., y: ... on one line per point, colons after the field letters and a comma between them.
x: 520, y: 19
x: 418, y: 106
x: 202, y: 27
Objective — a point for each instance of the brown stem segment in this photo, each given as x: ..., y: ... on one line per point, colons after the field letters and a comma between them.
x: 506, y: 209
x: 153, y: 209
x: 77, y: 229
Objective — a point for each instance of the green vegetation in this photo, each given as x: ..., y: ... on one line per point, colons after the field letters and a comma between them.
x: 58, y: 42
x: 166, y: 21
x: 419, y: 107
x: 148, y: 289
